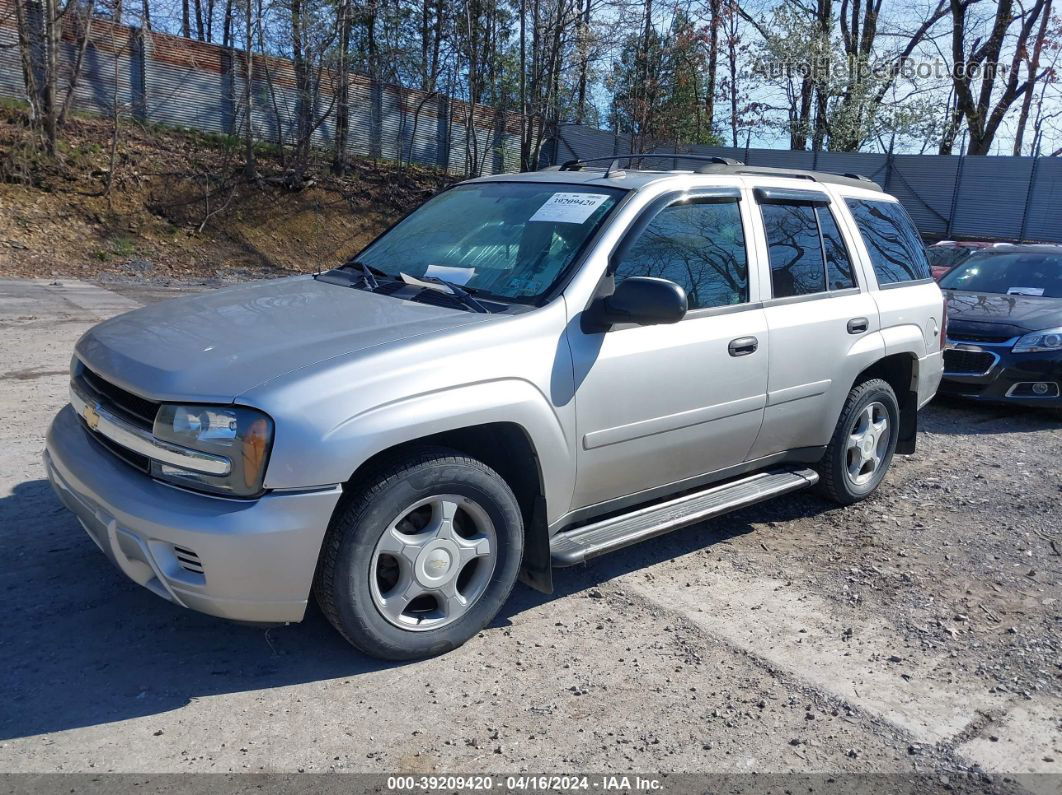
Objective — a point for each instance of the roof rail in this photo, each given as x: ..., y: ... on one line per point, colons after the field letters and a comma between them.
x: 851, y: 180
x: 576, y: 165
x: 714, y: 164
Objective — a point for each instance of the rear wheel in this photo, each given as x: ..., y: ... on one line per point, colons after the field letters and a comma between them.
x: 421, y: 557
x: 861, y: 450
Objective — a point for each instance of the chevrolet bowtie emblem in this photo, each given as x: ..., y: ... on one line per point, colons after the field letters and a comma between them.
x: 92, y: 417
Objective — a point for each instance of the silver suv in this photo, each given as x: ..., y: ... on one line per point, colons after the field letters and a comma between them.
x: 527, y: 371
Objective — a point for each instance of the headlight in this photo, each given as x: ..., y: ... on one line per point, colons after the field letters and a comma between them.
x: 240, y: 434
x: 1046, y: 340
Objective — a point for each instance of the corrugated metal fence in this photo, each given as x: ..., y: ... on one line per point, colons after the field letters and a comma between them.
x: 990, y: 198
x: 175, y: 81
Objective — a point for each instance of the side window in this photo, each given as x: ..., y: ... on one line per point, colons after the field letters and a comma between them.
x: 797, y: 266
x: 895, y: 248
x: 838, y: 263
x: 698, y: 245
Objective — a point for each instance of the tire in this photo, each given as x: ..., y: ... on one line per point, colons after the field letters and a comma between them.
x: 848, y: 472
x: 394, y: 569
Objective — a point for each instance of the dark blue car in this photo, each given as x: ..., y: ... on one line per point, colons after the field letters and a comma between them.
x: 1004, y: 341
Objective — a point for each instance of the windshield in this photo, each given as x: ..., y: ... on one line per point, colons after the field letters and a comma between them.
x: 509, y: 239
x: 1009, y: 274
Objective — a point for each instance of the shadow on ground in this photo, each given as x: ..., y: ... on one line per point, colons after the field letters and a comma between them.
x: 87, y: 647
x: 955, y: 416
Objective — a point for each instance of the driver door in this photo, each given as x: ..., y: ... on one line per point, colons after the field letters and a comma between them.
x: 662, y: 404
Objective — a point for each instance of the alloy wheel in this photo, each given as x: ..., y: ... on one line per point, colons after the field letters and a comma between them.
x: 868, y: 442
x: 433, y: 562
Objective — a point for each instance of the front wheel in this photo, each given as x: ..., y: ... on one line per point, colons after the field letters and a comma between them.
x: 861, y: 450
x: 421, y: 557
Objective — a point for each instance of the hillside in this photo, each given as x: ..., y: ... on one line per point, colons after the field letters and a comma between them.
x: 178, y: 208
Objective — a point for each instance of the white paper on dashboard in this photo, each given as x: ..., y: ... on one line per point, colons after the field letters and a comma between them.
x: 568, y: 208
x: 1025, y: 291
x: 459, y: 276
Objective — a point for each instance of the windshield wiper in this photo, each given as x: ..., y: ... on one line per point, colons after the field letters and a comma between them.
x: 368, y: 273
x: 443, y: 286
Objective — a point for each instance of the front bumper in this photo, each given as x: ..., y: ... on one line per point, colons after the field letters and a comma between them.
x: 1000, y: 382
x: 248, y: 560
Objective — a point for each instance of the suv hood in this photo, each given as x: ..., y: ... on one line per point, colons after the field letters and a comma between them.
x: 212, y: 347
x: 992, y: 313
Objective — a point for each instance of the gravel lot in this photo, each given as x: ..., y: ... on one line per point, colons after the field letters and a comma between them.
x: 915, y: 633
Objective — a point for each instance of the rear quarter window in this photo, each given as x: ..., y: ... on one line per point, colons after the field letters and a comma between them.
x: 894, y: 245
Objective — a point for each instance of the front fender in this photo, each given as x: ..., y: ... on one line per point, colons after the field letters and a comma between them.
x: 507, y: 400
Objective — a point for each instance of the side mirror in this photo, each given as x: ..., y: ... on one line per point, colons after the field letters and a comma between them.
x: 645, y: 300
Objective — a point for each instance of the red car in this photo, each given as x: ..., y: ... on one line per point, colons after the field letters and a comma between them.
x: 946, y: 254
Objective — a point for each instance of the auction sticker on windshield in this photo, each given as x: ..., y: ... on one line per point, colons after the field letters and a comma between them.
x: 1025, y: 291
x: 568, y: 208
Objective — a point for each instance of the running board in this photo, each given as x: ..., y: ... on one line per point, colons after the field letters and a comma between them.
x: 574, y: 546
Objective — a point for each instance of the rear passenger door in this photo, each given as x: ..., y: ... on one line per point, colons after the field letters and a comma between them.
x: 817, y: 316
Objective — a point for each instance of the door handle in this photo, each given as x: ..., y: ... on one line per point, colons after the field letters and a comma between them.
x: 858, y: 325
x: 743, y: 346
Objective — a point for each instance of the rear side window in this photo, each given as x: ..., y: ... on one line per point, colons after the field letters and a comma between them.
x: 797, y: 266
x: 699, y: 245
x: 838, y: 263
x: 895, y: 248
x: 807, y: 252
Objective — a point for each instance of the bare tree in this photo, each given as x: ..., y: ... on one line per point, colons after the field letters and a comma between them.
x: 980, y: 106
x: 1033, y: 70
x: 342, y: 92
x: 40, y: 30
x: 250, y: 169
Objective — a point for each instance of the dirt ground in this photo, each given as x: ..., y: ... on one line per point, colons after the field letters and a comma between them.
x: 916, y: 633
x: 176, y: 206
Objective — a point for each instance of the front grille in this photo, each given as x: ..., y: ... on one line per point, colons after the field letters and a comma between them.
x: 967, y: 362
x: 980, y: 338
x: 133, y: 459
x: 134, y: 408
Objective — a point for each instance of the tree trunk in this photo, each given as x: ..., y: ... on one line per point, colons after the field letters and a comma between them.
x: 370, y: 39
x: 84, y: 27
x: 200, y: 30
x: 115, y: 112
x: 226, y: 30
x: 1034, y: 67
x: 28, y: 39
x: 339, y: 156
x: 304, y: 99
x: 951, y: 130
x: 524, y: 164
x: 824, y: 19
x: 716, y: 9
x: 249, y: 166
x: 49, y: 99
x: 583, y: 38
